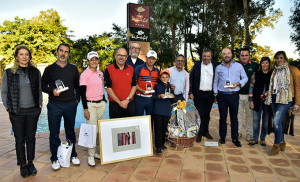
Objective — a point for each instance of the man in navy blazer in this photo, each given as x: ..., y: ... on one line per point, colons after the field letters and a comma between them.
x: 134, y: 52
x: 201, y: 90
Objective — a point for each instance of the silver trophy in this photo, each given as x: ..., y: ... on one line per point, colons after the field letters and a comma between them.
x: 60, y: 86
x: 149, y: 87
x: 167, y: 93
x: 227, y: 84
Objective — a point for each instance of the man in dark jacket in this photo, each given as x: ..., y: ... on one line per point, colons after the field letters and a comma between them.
x: 134, y: 52
x: 61, y: 81
x: 201, y: 90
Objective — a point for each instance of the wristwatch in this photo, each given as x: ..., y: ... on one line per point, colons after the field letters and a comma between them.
x: 128, y: 99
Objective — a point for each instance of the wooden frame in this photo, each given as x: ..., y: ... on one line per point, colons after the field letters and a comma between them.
x: 123, y: 139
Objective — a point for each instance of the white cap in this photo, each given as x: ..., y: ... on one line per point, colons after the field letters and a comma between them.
x: 92, y: 54
x: 152, y: 53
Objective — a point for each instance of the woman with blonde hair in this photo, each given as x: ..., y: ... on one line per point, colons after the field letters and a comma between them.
x: 22, y: 97
x: 284, y: 93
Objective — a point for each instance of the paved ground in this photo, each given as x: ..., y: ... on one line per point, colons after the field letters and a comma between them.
x: 198, y: 163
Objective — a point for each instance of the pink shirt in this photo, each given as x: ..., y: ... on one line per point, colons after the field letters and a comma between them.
x: 94, y: 84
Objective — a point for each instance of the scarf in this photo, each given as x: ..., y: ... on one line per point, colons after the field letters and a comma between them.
x: 284, y: 91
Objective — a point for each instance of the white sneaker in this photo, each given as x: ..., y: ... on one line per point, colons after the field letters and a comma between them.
x: 55, y: 165
x: 75, y: 161
x: 97, y: 156
x: 91, y: 161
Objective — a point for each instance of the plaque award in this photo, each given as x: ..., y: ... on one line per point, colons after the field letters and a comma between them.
x: 227, y: 84
x: 60, y: 86
x: 149, y: 88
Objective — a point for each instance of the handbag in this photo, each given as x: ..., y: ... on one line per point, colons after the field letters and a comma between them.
x: 87, y: 135
x: 64, y: 152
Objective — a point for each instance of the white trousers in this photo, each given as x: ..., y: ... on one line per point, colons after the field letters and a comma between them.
x: 244, y: 106
x: 96, y: 111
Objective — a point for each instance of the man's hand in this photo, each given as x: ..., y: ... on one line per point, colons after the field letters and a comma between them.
x: 172, y: 87
x: 251, y: 105
x: 191, y: 96
x: 235, y: 85
x: 55, y: 93
x: 124, y: 103
x: 86, y: 114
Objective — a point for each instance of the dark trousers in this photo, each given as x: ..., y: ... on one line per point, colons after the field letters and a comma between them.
x: 55, y: 113
x: 115, y: 111
x: 24, y: 125
x: 160, y: 128
x: 143, y: 104
x: 230, y: 101
x: 203, y: 102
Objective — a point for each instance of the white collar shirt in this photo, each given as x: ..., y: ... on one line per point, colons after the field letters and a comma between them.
x: 206, y: 78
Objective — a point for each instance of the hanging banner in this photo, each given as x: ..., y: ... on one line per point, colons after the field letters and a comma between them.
x: 138, y: 16
x: 139, y: 34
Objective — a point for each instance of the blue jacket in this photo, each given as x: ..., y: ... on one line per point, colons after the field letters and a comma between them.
x: 195, y: 76
x: 162, y: 106
x: 138, y: 62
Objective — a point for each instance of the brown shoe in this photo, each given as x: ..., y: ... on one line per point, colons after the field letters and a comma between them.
x: 282, y: 146
x: 274, y: 150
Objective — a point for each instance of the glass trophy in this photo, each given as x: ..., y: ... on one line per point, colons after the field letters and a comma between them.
x: 60, y: 86
x: 149, y: 87
x: 167, y: 93
x: 228, y: 84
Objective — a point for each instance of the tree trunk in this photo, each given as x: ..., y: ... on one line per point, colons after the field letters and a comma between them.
x: 173, y: 28
x: 221, y: 22
x: 185, y: 43
x: 233, y: 32
x: 216, y: 25
x: 246, y: 20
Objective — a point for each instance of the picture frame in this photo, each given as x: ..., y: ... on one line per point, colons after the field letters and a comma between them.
x: 123, y: 139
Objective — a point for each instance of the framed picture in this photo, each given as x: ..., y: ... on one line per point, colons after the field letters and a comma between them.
x: 125, y: 138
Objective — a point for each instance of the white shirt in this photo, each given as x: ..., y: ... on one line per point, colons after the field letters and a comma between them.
x: 207, y: 73
x: 133, y: 60
x: 178, y: 79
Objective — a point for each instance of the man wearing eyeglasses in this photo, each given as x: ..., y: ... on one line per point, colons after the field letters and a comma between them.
x: 134, y: 52
x: 179, y: 79
x: 120, y: 85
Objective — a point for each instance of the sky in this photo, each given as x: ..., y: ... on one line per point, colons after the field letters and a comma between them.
x: 91, y: 17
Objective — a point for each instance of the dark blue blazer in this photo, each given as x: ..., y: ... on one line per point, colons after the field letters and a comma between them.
x: 138, y: 62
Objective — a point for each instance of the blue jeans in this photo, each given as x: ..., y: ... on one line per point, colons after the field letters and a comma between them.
x: 256, y: 122
x: 279, y: 112
x: 143, y: 104
x: 230, y: 101
x: 55, y: 113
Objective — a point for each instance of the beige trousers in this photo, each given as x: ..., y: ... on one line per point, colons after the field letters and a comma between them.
x: 96, y: 111
x: 244, y: 106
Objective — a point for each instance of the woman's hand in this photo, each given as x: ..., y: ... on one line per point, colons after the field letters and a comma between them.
x: 251, y: 105
x: 86, y: 114
x: 296, y: 107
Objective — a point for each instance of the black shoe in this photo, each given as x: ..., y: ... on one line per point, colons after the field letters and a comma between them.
x: 207, y: 135
x: 237, y: 143
x: 158, y: 151
x: 251, y: 143
x: 199, y: 138
x: 24, y: 171
x: 164, y: 148
x: 222, y: 141
x: 31, y: 168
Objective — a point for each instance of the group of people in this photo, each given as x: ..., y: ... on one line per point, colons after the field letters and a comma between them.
x: 135, y: 88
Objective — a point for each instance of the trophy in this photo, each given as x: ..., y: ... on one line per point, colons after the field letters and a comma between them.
x: 227, y: 84
x: 167, y: 93
x: 149, y: 87
x: 60, y: 86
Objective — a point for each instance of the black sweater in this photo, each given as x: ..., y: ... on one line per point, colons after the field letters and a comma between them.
x: 69, y: 75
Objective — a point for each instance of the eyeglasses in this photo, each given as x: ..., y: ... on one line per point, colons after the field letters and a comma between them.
x: 180, y: 61
x: 123, y: 56
x: 136, y: 48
